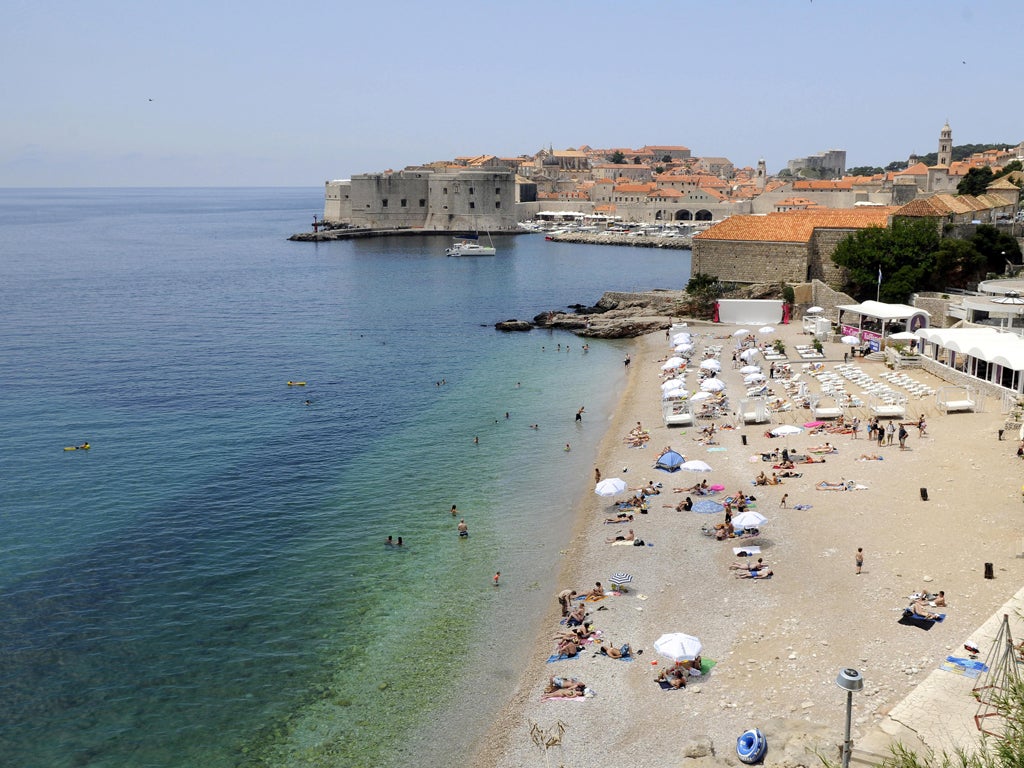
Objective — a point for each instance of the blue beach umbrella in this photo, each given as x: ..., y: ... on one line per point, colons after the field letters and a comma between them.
x: 669, y: 461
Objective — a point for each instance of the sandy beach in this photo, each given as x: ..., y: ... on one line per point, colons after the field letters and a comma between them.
x: 777, y: 644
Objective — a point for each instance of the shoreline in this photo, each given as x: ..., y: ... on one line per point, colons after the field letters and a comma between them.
x: 778, y: 649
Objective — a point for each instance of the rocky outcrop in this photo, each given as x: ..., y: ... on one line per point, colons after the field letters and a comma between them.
x: 513, y: 325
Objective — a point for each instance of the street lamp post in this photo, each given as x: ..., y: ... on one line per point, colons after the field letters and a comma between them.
x: 849, y: 680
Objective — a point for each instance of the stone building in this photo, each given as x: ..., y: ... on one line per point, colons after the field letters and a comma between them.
x: 793, y: 247
x: 457, y: 199
x: 831, y: 163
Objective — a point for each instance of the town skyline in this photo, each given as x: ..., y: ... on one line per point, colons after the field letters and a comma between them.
x: 231, y: 95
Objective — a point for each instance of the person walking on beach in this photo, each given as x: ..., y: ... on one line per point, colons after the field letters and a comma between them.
x: 859, y: 559
x: 902, y: 436
x: 597, y: 474
x: 890, y: 433
x: 782, y: 503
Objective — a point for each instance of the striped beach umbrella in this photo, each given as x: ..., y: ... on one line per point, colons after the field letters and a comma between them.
x: 620, y: 579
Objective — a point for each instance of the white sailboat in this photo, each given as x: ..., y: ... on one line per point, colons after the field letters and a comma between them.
x: 467, y: 245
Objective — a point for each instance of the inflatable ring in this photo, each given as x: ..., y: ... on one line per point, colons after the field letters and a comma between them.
x: 296, y: 383
x: 751, y: 746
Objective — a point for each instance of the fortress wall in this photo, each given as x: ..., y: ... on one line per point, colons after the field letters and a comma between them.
x: 750, y: 261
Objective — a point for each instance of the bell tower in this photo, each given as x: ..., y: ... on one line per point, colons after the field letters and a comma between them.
x: 762, y: 175
x: 946, y: 146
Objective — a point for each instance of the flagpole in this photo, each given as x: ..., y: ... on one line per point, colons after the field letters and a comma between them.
x: 878, y: 292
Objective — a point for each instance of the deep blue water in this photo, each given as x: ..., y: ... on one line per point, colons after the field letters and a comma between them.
x: 208, y: 584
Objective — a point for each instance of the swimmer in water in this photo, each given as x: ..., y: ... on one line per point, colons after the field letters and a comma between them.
x: 463, y: 529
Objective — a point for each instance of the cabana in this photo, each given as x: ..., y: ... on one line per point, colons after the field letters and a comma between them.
x: 822, y: 411
x: 872, y: 321
x: 986, y: 354
x: 677, y: 413
x: 754, y: 411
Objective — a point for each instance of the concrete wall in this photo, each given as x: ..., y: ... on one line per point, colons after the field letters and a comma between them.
x: 390, y: 200
x: 823, y: 245
x: 478, y: 200
x: 338, y: 201
x: 736, y: 261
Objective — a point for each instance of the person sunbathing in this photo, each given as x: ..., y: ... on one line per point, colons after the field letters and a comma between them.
x: 918, y: 609
x: 940, y: 600
x: 597, y: 591
x: 623, y: 517
x: 683, y: 506
x: 869, y: 457
x: 756, y: 566
x: 752, y: 574
x: 701, y: 486
x: 826, y: 448
x: 674, y: 676
x: 843, y: 485
x: 563, y: 688
x: 621, y: 537
x: 623, y: 652
x: 567, y: 648
x: 761, y: 479
x: 811, y: 460
x: 784, y: 464
x: 576, y: 616
x: 774, y: 480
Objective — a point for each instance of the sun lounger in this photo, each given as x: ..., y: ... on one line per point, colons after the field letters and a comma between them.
x: 957, y: 405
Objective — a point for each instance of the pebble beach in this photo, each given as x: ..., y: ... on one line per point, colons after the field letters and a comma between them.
x: 777, y: 644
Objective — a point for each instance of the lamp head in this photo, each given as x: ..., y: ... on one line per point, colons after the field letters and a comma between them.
x: 850, y: 679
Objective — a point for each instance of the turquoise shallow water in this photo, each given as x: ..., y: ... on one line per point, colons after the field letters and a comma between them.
x: 208, y: 585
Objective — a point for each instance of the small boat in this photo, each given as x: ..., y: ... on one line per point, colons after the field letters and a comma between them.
x: 469, y: 248
x: 751, y: 746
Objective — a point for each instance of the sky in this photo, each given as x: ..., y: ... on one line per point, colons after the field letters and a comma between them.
x: 218, y: 93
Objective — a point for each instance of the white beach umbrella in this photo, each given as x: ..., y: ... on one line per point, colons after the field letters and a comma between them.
x: 711, y: 365
x: 749, y: 354
x: 741, y: 332
x: 712, y: 385
x: 678, y: 646
x: 610, y: 486
x: 695, y: 465
x: 815, y: 310
x: 672, y: 362
x: 850, y: 340
x: 904, y: 336
x: 673, y: 383
x: 682, y: 338
x: 749, y: 519
x: 700, y: 396
x: 753, y: 378
x: 766, y: 329
x: 786, y: 429
x: 748, y: 369
x: 683, y: 347
x: 671, y: 394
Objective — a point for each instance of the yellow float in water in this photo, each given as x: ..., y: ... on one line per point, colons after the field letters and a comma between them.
x: 296, y: 383
x: 82, y: 447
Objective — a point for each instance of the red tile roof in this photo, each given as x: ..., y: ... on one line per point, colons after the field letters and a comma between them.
x: 796, y: 226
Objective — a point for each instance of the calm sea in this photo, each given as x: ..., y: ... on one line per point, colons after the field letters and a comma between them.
x: 209, y: 584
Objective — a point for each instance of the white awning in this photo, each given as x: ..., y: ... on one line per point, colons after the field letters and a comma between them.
x: 882, y: 311
x: 988, y: 344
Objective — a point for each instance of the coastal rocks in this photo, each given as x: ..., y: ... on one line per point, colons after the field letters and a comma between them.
x: 702, y: 746
x: 513, y: 325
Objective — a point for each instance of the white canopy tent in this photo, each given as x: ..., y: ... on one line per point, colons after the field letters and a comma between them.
x: 870, y: 320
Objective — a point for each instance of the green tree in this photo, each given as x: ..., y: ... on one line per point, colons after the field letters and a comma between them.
x: 863, y: 170
x: 905, y: 254
x: 666, y: 158
x: 995, y: 247
x: 617, y: 157
x: 959, y: 263
x: 636, y: 160
x: 896, y: 165
x: 975, y: 182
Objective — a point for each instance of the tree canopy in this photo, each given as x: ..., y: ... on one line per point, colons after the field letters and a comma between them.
x: 904, y: 253
x: 913, y: 257
x: 975, y: 182
x: 617, y: 157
